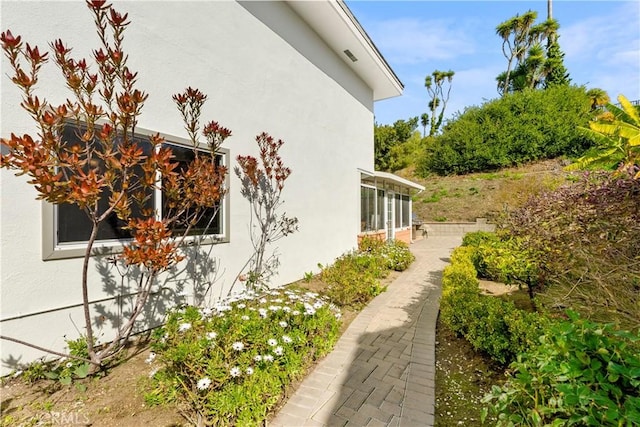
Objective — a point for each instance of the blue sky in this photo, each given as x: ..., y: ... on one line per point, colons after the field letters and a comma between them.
x: 600, y: 39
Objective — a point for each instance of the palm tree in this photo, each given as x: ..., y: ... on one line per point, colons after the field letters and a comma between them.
x: 424, y: 121
x: 599, y: 98
x: 434, y: 84
x: 517, y: 38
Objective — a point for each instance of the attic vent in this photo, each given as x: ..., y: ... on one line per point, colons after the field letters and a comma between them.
x: 350, y: 55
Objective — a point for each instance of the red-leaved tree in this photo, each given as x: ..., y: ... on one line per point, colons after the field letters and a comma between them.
x: 104, y: 170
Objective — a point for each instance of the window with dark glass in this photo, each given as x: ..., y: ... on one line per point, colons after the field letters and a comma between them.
x: 209, y: 220
x: 73, y: 225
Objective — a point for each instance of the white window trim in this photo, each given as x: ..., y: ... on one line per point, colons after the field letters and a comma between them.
x: 52, y: 250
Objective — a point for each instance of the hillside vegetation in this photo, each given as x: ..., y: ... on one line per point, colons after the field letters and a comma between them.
x: 461, y: 198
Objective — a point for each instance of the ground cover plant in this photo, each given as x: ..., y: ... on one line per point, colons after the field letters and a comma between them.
x: 562, y: 370
x: 582, y: 373
x: 230, y: 365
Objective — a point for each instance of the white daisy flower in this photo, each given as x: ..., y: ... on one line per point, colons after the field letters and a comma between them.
x: 212, y: 335
x: 278, y: 351
x: 272, y: 342
x: 286, y: 309
x: 184, y: 327
x: 268, y: 358
x: 203, y: 383
x: 295, y: 312
x: 262, y: 300
x: 263, y: 312
x: 241, y: 305
x: 151, y: 357
x: 257, y: 358
x: 238, y: 346
x: 283, y: 324
x: 249, y: 370
x: 245, y: 317
x: 286, y: 338
x: 235, y: 372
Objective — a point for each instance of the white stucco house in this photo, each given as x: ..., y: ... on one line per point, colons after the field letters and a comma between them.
x: 305, y: 72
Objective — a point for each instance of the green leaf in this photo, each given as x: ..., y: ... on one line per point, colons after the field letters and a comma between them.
x: 51, y: 375
x: 82, y: 371
x: 65, y: 380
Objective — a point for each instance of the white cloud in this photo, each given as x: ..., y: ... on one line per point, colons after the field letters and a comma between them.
x: 414, y: 41
x: 612, y: 38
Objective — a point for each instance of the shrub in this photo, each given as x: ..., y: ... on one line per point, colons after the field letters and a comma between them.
x: 511, y: 130
x: 491, y: 325
x: 584, y: 239
x: 582, y: 373
x: 397, y: 255
x: 476, y: 238
x: 231, y: 364
x: 354, y: 278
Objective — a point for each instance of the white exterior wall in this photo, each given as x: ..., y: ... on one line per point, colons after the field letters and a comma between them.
x: 255, y: 80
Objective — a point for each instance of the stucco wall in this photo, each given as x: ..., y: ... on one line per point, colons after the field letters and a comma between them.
x: 256, y: 81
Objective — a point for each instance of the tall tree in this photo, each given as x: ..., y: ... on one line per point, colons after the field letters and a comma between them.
x: 435, y: 87
x: 387, y: 137
x: 424, y: 121
x: 534, y: 65
x: 516, y: 40
x: 556, y: 73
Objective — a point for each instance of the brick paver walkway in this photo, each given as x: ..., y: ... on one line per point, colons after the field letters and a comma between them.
x: 382, y: 370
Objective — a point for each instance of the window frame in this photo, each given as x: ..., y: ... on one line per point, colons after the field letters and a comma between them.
x: 378, y: 216
x: 52, y: 249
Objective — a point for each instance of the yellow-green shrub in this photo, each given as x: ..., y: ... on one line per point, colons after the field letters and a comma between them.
x: 491, y: 325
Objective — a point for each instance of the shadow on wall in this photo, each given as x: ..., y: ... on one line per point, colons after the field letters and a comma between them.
x: 191, y: 282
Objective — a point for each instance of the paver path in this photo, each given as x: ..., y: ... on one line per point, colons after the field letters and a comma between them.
x: 382, y: 370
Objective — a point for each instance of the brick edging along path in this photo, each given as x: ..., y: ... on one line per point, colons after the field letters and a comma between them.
x: 382, y: 369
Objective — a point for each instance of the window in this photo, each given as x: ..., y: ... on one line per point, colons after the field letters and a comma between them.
x: 403, y: 210
x: 371, y: 209
x: 406, y: 209
x: 367, y: 208
x: 380, y: 210
x: 66, y: 228
x: 210, y: 222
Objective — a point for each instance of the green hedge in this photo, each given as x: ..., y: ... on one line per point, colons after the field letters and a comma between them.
x: 492, y: 325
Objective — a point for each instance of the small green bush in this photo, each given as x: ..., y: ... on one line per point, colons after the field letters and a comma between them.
x: 231, y: 364
x: 582, y: 373
x: 476, y: 238
x: 354, y: 278
x: 397, y: 255
x: 491, y: 325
